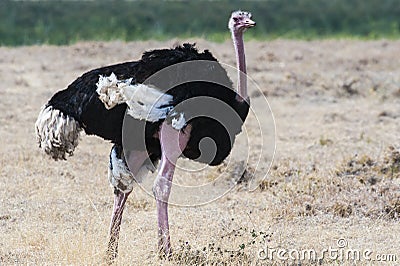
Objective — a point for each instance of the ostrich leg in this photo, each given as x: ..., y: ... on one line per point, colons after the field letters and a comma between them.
x: 135, y: 161
x: 119, y: 204
x: 173, y: 142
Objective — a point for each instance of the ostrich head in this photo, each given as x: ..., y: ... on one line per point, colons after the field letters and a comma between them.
x: 240, y: 21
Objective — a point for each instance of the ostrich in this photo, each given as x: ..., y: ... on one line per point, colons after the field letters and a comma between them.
x: 102, y: 101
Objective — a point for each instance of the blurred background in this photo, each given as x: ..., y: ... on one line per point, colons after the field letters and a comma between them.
x: 66, y: 22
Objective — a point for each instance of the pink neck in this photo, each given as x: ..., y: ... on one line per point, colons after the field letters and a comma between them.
x: 237, y: 38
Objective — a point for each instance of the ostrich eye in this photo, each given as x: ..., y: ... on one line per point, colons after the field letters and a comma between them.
x: 235, y: 19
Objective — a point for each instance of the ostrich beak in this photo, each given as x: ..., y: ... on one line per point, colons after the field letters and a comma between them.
x: 248, y: 23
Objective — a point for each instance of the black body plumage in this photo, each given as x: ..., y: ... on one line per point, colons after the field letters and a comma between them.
x: 81, y: 101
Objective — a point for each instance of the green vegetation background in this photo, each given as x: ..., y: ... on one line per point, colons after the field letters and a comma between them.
x: 65, y: 22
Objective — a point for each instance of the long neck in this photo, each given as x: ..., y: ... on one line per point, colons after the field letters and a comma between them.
x: 237, y: 38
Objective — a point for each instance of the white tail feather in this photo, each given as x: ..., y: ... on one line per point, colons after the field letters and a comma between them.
x: 57, y: 133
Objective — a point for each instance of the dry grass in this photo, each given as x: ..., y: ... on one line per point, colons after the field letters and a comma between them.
x: 335, y: 174
x: 358, y: 186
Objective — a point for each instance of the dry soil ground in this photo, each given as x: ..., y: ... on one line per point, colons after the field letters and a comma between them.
x: 334, y: 182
